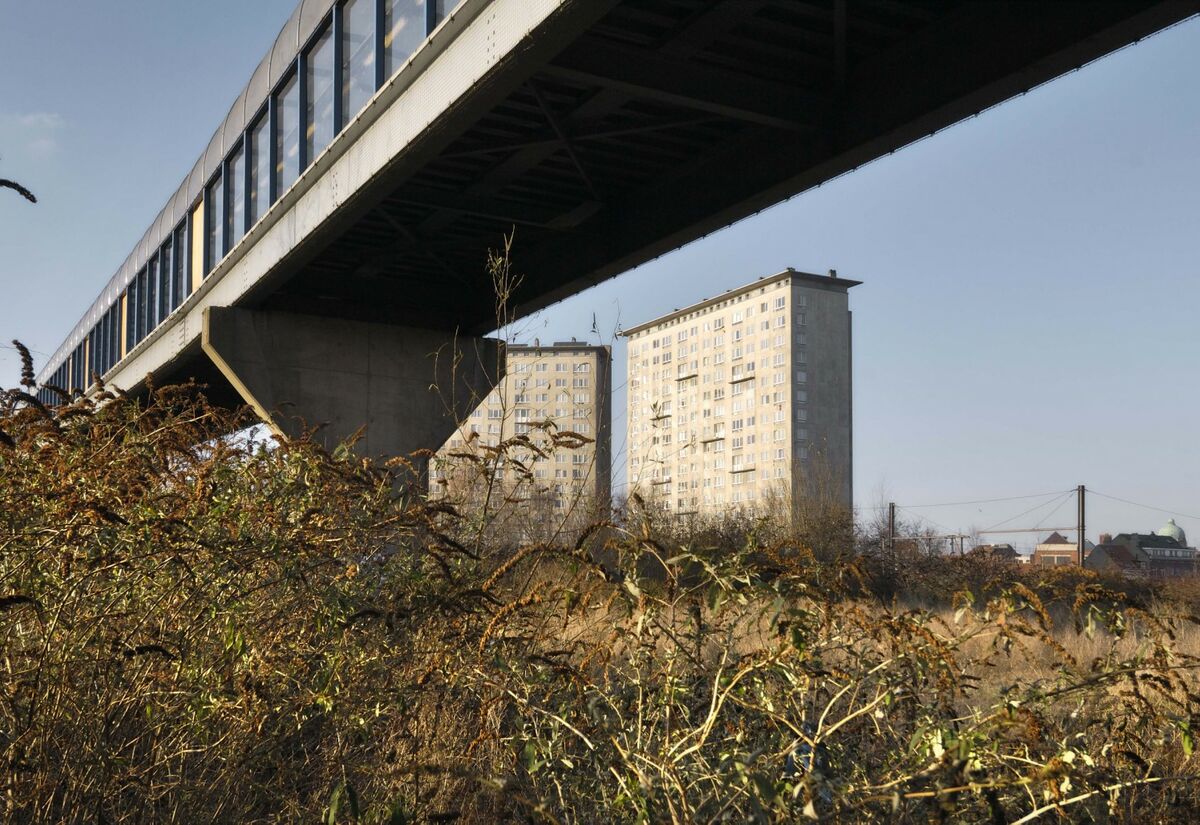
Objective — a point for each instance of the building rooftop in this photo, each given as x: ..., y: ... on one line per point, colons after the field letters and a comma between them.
x: 830, y: 280
x: 1119, y: 554
x: 575, y: 345
x: 1148, y: 540
x: 1174, y: 531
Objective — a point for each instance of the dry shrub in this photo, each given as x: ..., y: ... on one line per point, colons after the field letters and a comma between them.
x: 199, y: 627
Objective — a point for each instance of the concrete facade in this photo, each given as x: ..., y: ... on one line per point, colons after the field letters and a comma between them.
x: 407, y: 387
x: 519, y: 443
x: 1058, y: 549
x: 745, y: 400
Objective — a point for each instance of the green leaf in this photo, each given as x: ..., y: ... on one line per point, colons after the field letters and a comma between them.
x: 335, y: 805
x: 397, y: 816
x: 713, y: 597
x: 529, y: 757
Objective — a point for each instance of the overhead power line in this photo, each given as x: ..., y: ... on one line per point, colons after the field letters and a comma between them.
x: 959, y: 504
x: 1058, y: 500
x: 985, y: 500
x: 924, y: 518
x: 1052, y: 513
x: 1026, y: 530
x: 1144, y: 506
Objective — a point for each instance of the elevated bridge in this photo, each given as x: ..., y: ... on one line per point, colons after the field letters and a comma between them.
x: 335, y: 230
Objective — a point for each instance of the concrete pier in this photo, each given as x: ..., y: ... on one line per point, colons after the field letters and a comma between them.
x: 408, y: 387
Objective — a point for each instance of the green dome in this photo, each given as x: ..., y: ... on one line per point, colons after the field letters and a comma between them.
x: 1174, y: 531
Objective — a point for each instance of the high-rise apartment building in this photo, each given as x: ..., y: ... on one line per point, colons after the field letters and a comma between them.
x: 519, y: 446
x: 744, y: 400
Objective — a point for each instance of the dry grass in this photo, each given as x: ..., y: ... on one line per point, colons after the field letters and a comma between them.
x: 200, y: 629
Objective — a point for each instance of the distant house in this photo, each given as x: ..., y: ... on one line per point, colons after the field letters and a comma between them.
x: 1163, y: 554
x: 1111, y: 557
x: 1057, y: 549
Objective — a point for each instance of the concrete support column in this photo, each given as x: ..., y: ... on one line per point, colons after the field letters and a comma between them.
x: 408, y: 387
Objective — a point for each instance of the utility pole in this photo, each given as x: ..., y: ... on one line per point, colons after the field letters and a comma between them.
x: 891, y: 527
x: 1080, y: 493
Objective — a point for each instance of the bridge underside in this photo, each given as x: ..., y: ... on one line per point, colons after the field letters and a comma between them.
x: 666, y: 120
x: 627, y: 128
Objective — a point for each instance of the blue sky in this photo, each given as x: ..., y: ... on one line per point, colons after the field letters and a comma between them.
x: 1027, y: 320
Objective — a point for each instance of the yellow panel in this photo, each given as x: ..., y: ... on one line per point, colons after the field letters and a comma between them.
x: 124, y: 320
x: 197, y: 245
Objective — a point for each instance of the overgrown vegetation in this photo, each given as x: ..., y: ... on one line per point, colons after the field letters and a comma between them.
x: 199, y: 628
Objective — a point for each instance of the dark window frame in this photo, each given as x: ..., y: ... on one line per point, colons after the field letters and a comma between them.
x: 211, y: 256
x: 226, y: 183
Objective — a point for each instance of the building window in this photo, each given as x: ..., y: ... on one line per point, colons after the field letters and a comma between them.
x: 179, y: 290
x: 318, y: 111
x: 214, y: 211
x: 287, y: 135
x: 358, y: 56
x: 237, y: 197
x: 164, y: 281
x: 130, y: 316
x: 141, y: 306
x: 260, y: 168
x: 151, y: 294
x: 403, y: 31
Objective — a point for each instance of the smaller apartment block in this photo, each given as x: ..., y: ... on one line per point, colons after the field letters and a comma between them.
x: 504, y: 454
x: 744, y: 401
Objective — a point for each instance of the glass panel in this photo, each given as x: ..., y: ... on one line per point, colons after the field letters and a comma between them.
x: 358, y: 56
x: 403, y: 31
x: 237, y: 196
x: 111, y: 339
x: 444, y: 7
x: 114, y: 344
x: 214, y: 206
x: 98, y: 347
x: 152, y: 294
x: 164, y: 282
x: 287, y: 135
x: 141, y: 306
x: 319, y: 106
x: 130, y: 304
x: 179, y: 290
x: 260, y: 169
